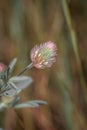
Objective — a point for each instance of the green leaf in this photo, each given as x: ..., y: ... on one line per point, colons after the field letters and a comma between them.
x: 32, y: 104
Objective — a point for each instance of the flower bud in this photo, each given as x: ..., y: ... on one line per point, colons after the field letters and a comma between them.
x: 2, y: 67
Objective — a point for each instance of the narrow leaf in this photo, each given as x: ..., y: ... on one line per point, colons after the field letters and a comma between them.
x: 32, y: 104
x: 24, y: 83
x: 12, y: 64
x: 19, y: 78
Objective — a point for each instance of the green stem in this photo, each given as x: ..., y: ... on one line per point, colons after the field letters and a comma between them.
x: 25, y: 69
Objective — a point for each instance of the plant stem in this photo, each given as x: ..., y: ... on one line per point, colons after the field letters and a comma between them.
x: 25, y: 69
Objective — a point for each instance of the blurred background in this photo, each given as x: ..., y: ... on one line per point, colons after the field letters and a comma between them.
x: 25, y: 23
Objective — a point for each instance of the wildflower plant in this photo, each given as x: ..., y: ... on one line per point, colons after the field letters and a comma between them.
x: 42, y: 56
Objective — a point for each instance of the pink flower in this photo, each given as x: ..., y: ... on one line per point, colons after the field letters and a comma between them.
x: 44, y: 55
x: 2, y: 67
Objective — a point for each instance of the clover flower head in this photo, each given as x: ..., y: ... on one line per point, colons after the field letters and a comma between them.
x: 44, y: 55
